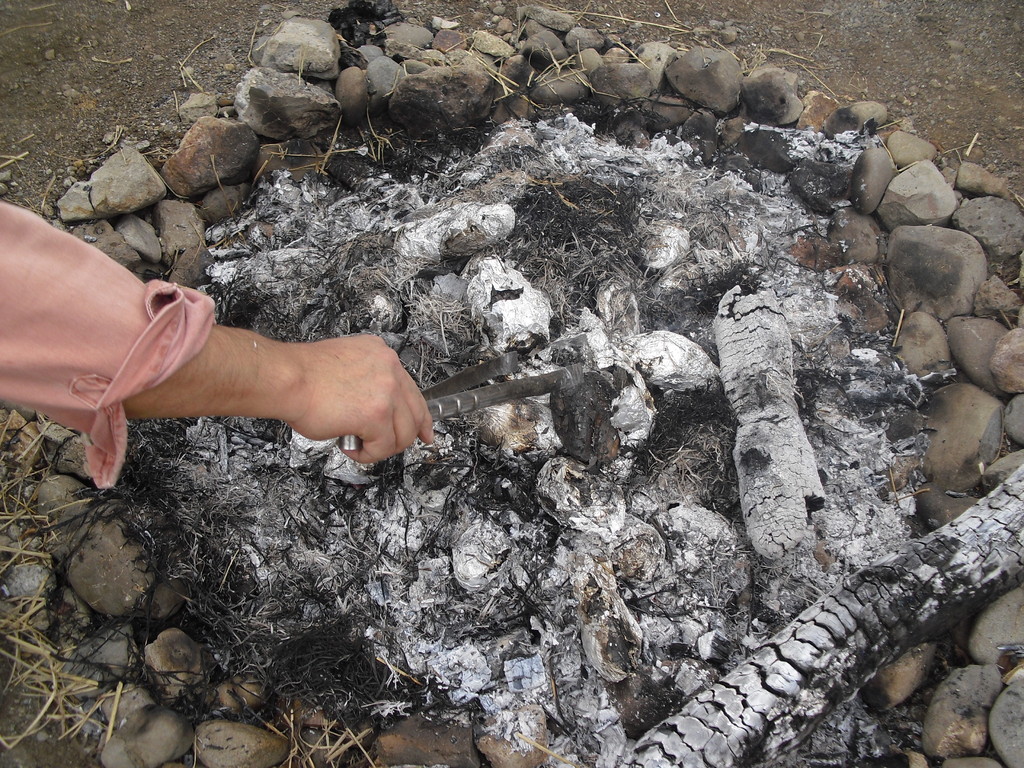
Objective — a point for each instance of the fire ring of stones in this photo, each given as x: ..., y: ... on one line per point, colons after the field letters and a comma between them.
x: 801, y: 355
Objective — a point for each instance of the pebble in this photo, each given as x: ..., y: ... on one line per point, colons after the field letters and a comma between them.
x: 1002, y: 622
x: 149, y: 738
x: 922, y: 344
x: 1006, y: 725
x: 224, y: 744
x: 907, y: 149
x: 966, y: 424
x: 872, y: 173
x: 1008, y: 362
x: 709, y: 77
x: 896, y: 682
x: 770, y: 96
x: 935, y: 270
x: 956, y: 723
x: 972, y: 340
x: 918, y: 195
x: 998, y: 225
x: 175, y: 662
x: 108, y: 570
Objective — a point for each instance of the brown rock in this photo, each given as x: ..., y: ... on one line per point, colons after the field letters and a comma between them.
x: 297, y: 156
x: 350, y: 91
x: 213, y: 152
x: 418, y: 741
x: 922, y: 344
x: 182, y: 237
x: 973, y: 180
x: 223, y: 744
x: 859, y: 299
x: 856, y: 236
x: 956, y: 724
x: 108, y: 570
x: 872, y: 173
x: 503, y: 753
x: 176, y: 664
x: 223, y: 203
x: 707, y: 76
x: 995, y: 299
x: 817, y: 107
x: 817, y: 253
x: 100, y: 234
x: 442, y: 99
x: 972, y: 340
x: 907, y: 149
x: 966, y: 425
x: 241, y: 692
x: 1001, y: 623
x: 895, y: 683
x: 1008, y: 362
x: 1001, y: 469
x: 935, y: 508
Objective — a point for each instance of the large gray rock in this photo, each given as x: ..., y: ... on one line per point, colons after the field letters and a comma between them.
x: 917, y: 196
x: 856, y: 236
x: 101, y: 235
x: 442, y: 99
x: 1006, y: 725
x: 141, y: 236
x: 307, y: 47
x: 956, y: 724
x: 922, y: 344
x: 108, y: 570
x: 707, y: 76
x: 907, y: 149
x: 613, y: 84
x: 972, y: 340
x: 223, y: 744
x: 1001, y: 623
x: 1007, y: 362
x: 282, y: 105
x: 770, y: 96
x: 125, y: 183
x: 997, y: 224
x: 213, y: 152
x: 935, y: 270
x: 406, y: 40
x: 580, y: 39
x: 566, y: 87
x: 149, y: 738
x: 872, y: 173
x: 966, y: 429
x: 543, y: 49
x: 492, y: 45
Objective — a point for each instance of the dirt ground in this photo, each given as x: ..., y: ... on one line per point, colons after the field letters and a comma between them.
x: 78, y: 75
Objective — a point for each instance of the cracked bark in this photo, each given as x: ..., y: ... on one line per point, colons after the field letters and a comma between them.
x: 774, y: 699
x: 778, y: 476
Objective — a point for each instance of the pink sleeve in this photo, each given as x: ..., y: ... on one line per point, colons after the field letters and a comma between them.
x: 79, y: 334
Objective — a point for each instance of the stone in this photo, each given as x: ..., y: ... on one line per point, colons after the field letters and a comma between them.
x: 996, y: 223
x: 405, y: 40
x: 855, y: 117
x: 556, y: 20
x: 214, y: 152
x: 60, y: 493
x: 1006, y: 725
x: 382, y: 76
x: 701, y: 131
x: 223, y: 203
x: 581, y: 38
x: 441, y: 100
x: 133, y: 698
x: 557, y: 88
x: 917, y: 196
x: 149, y: 738
x: 297, y: 156
x: 517, y: 70
x: 972, y: 340
x: 935, y: 270
x: 770, y: 96
x: 531, y: 721
x: 856, y: 236
x: 176, y: 665
x: 995, y: 299
x: 492, y: 45
x: 418, y: 741
x: 224, y: 744
x: 306, y: 47
x: 351, y: 92
x: 543, y: 49
x: 815, y: 252
x: 766, y: 149
x: 857, y: 289
x: 198, y: 105
x: 613, y: 84
x: 907, y: 149
x: 281, y: 105
x: 872, y: 173
x: 966, y: 430
x: 240, y: 693
x: 975, y: 181
x: 183, y: 240
x: 656, y: 57
x: 101, y: 235
x: 971, y: 762
x: 922, y: 344
x: 956, y: 723
x: 71, y: 458
x: 896, y: 682
x: 817, y: 107
x: 1001, y: 623
x: 712, y: 78
x: 108, y: 570
x: 104, y: 656
x: 1013, y: 419
x: 125, y: 183
x: 664, y: 112
x: 935, y: 508
x: 1007, y: 362
x: 996, y: 474
x: 819, y: 184
x: 448, y: 40
x: 26, y: 580
x: 141, y: 236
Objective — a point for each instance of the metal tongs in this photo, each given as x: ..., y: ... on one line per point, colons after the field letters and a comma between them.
x: 461, y: 393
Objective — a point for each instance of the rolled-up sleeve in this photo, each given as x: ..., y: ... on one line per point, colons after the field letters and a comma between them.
x: 79, y: 334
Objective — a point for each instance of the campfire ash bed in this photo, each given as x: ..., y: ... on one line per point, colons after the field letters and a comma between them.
x: 565, y: 572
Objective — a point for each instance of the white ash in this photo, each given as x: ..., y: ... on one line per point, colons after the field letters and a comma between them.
x: 461, y: 558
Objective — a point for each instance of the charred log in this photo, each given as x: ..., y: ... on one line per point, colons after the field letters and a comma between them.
x: 778, y: 476
x: 774, y: 699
